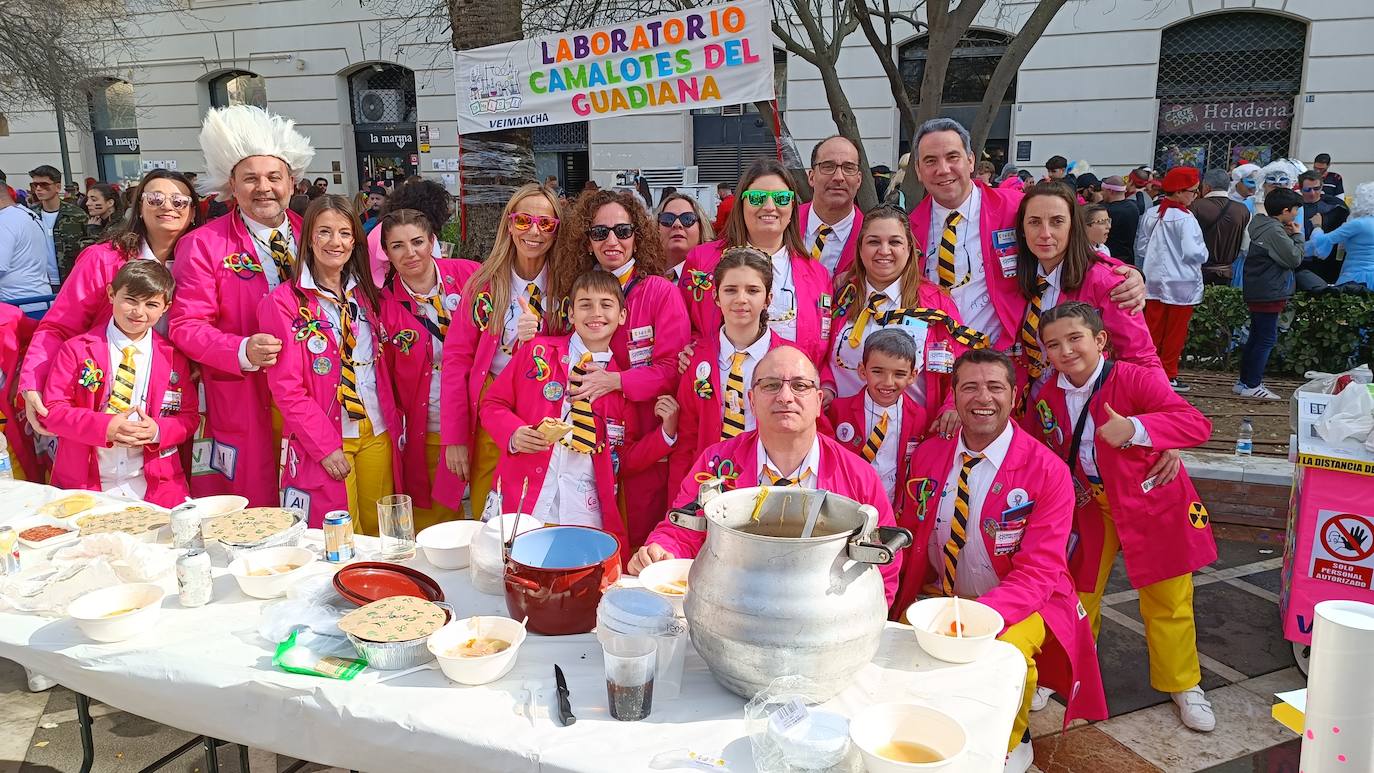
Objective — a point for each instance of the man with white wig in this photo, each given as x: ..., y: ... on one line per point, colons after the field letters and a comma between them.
x: 223, y: 270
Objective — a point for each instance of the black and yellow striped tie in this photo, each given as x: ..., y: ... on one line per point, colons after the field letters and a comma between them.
x: 281, y: 254
x: 582, y: 439
x: 875, y: 302
x: 775, y: 479
x: 875, y: 439
x: 822, y: 236
x: 958, y: 528
x: 348, y: 378
x: 536, y: 301
x: 437, y: 303
x: 946, y: 252
x: 961, y: 333
x: 1030, y: 330
x: 122, y: 391
x: 733, y: 419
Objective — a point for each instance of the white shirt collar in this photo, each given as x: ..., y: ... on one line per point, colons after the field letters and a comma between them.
x: 755, y: 350
x: 996, y: 452
x: 263, y: 232
x: 308, y: 282
x: 812, y: 462
x: 1069, y: 388
x: 813, y: 221
x: 939, y: 212
x: 431, y: 291
x: 677, y: 270
x: 118, y: 340
x: 894, y: 411
x: 893, y: 292
x: 1218, y: 194
x: 1054, y: 277
x: 623, y: 271
x: 518, y: 283
x: 145, y: 252
x: 576, y: 348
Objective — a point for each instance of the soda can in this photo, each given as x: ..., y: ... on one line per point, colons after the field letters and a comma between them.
x: 338, y: 536
x: 186, y: 529
x: 194, y: 585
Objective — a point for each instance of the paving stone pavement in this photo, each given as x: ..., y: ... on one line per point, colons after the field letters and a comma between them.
x: 1246, y: 660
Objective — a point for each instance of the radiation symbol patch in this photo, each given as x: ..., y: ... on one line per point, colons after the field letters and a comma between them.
x: 1197, y: 513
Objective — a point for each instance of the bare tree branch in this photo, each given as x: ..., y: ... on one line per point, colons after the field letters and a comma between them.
x: 1007, y: 67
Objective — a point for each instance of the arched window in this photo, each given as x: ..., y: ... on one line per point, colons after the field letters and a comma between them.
x: 112, y: 105
x: 970, y: 66
x: 114, y: 129
x: 238, y: 87
x: 382, y: 94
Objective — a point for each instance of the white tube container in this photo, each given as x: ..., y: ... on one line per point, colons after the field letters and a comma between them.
x: 1339, y: 718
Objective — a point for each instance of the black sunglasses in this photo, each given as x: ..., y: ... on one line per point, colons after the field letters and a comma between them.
x: 688, y: 219
x: 599, y: 233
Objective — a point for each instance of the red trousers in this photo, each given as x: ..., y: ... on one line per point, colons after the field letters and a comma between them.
x: 1168, y: 326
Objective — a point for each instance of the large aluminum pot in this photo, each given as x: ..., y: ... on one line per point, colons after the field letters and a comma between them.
x: 766, y: 602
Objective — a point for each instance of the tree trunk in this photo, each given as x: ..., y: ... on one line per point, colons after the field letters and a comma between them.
x: 492, y: 164
x: 777, y: 124
x: 1017, y: 50
x: 848, y: 125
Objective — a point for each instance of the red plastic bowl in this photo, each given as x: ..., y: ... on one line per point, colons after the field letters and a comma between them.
x: 369, y: 581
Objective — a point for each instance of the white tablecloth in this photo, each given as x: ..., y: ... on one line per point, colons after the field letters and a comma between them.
x: 207, y: 671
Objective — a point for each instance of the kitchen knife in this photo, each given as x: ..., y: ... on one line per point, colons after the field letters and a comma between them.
x: 565, y: 715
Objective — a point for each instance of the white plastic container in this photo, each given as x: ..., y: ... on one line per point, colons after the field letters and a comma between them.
x: 818, y: 742
x: 981, y: 624
x: 659, y: 574
x: 118, y: 612
x: 884, y: 723
x: 448, y: 545
x: 480, y: 670
x: 272, y: 585
x: 488, y: 568
x: 639, y: 612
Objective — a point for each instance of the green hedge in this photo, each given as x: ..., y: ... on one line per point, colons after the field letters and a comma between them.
x: 1329, y: 332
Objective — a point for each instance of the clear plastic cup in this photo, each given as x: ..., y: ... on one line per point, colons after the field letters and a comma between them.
x: 396, y: 523
x: 631, y: 664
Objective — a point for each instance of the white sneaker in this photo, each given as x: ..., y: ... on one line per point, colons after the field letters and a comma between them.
x: 1019, y: 759
x: 1195, y: 710
x: 1239, y: 387
x: 1260, y: 392
x: 1041, y: 699
x: 38, y: 682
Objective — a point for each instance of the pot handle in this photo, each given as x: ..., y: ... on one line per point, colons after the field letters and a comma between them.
x: 689, y: 516
x: 521, y: 581
x: 880, y: 553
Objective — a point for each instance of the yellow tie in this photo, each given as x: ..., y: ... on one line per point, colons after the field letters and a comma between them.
x: 122, y: 392
x: 625, y: 280
x: 875, y: 302
x: 348, y: 378
x: 822, y: 235
x: 1030, y: 330
x: 775, y: 479
x: 281, y: 254
x: 582, y: 439
x: 946, y: 252
x: 875, y: 439
x: 733, y: 423
x: 437, y: 303
x: 536, y: 301
x: 958, y: 528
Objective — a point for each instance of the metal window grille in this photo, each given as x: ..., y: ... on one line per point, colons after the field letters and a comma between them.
x: 971, y: 66
x: 1227, y: 86
x: 561, y: 137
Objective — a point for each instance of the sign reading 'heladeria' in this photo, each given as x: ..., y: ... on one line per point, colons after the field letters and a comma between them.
x: 705, y: 57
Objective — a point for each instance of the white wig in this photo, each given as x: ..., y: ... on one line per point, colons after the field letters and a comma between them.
x: 1363, y: 205
x: 231, y: 134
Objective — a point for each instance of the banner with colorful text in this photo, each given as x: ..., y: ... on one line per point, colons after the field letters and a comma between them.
x: 705, y: 57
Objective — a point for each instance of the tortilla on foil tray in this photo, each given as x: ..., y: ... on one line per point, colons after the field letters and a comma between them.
x: 136, y: 519
x: 252, y: 525
x: 397, y: 618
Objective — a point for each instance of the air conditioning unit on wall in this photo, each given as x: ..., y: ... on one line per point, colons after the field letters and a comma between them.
x: 380, y: 106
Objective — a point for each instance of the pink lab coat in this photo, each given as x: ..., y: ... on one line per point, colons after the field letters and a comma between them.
x: 812, y: 285
x: 841, y: 472
x: 1035, y: 578
x: 76, y: 415
x: 410, y: 359
x: 82, y: 304
x: 312, y: 418
x: 996, y: 213
x: 517, y: 399
x: 1157, y: 535
x: 937, y: 386
x: 216, y: 308
x: 15, y: 333
x: 851, y: 245
x: 1127, y: 334
x: 849, y: 418
x: 702, y: 417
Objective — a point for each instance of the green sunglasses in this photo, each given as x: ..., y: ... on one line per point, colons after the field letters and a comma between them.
x: 755, y: 198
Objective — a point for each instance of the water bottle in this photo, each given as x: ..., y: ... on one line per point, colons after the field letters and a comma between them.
x: 6, y: 468
x: 1245, y: 441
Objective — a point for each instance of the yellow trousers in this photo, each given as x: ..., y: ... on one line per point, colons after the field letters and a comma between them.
x: 1166, y: 607
x: 482, y: 459
x: 1028, y: 636
x: 369, y: 456
x: 436, y: 513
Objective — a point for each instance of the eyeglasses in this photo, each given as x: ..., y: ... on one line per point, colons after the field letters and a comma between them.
x: 599, y: 233
x: 158, y: 198
x: 800, y: 387
x: 523, y: 221
x: 755, y: 198
x: 688, y: 219
x: 1310, y: 190
x: 37, y: 185
x: 849, y: 168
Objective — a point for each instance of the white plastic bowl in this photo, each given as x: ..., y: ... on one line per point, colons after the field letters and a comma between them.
x: 981, y: 622
x: 816, y: 743
x: 883, y: 723
x: 92, y: 611
x: 272, y: 585
x: 487, y: 668
x: 448, y: 545
x: 661, y: 573
x: 212, y: 507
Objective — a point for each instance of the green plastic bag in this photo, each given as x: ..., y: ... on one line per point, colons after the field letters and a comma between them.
x: 300, y: 659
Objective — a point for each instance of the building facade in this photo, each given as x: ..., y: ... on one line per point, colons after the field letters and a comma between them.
x: 1117, y: 84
